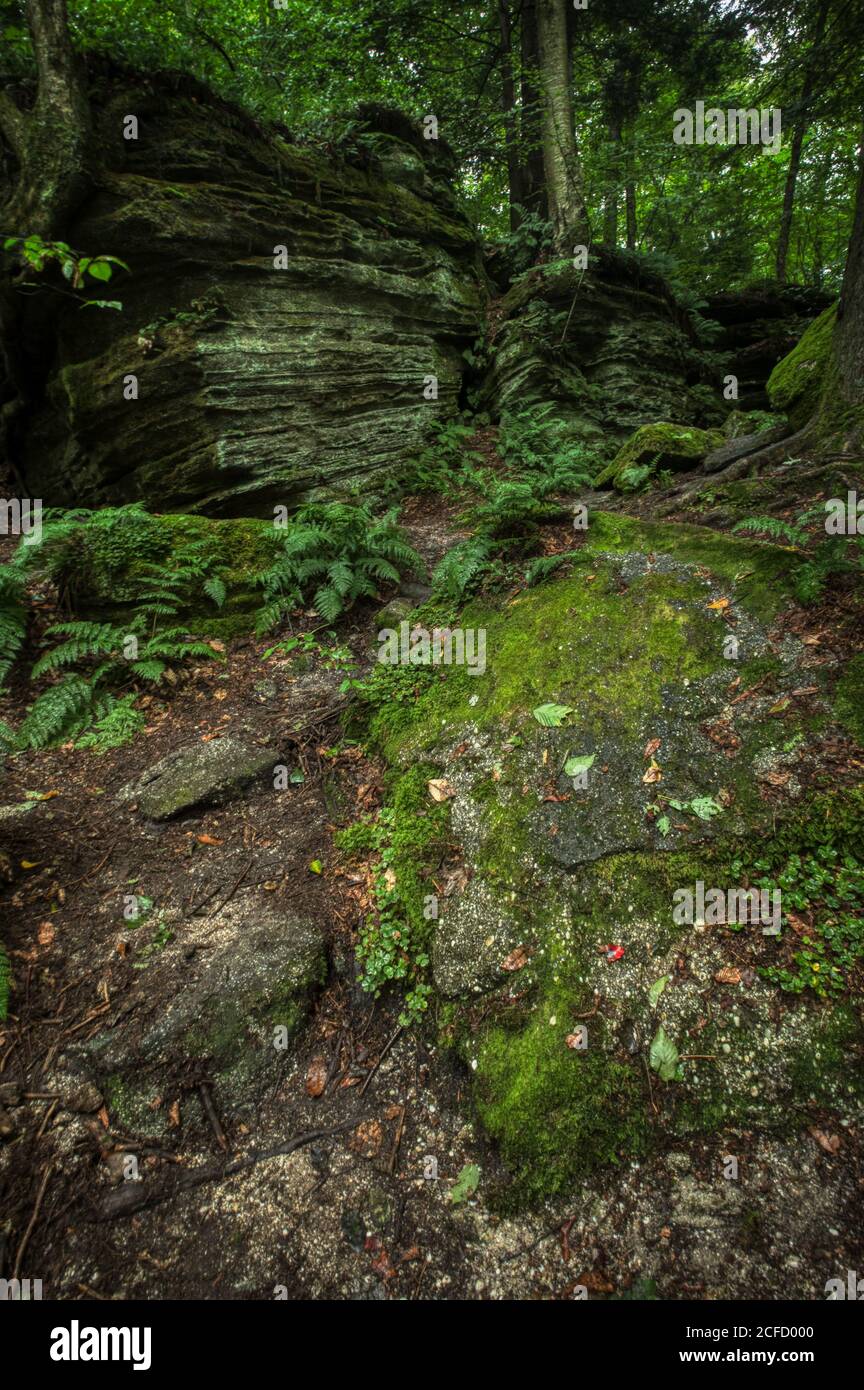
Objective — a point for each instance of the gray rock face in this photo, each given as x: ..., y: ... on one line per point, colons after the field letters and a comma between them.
x: 200, y: 774
x: 611, y: 350
x: 239, y: 985
x: 261, y: 965
x: 283, y: 314
x: 471, y: 942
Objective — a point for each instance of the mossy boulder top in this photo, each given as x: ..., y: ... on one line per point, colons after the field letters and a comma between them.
x: 654, y: 447
x: 686, y: 729
x: 795, y: 385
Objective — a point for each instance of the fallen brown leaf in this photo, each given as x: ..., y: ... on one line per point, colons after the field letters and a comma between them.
x: 440, y: 789
x: 316, y: 1077
x: 829, y: 1142
x: 729, y: 975
x: 516, y: 960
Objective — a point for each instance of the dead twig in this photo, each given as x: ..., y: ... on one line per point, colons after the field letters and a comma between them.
x: 210, y: 1112
x: 31, y: 1224
x: 132, y: 1197
x: 385, y: 1049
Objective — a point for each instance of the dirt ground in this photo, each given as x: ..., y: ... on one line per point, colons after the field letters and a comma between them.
x: 359, y: 1207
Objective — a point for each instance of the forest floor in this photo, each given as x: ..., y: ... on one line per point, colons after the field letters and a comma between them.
x: 353, y: 1211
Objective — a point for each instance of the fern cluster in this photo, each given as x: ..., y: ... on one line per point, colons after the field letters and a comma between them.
x: 830, y: 557
x: 97, y: 660
x: 333, y: 553
x: 541, y: 451
x: 445, y: 466
x: 462, y: 568
x: 13, y: 615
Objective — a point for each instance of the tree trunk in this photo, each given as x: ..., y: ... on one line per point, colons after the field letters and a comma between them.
x: 564, y: 189
x: 849, y: 338
x: 610, y: 202
x: 52, y: 142
x: 508, y: 104
x: 533, y: 175
x: 630, y: 197
x: 799, y: 131
x: 798, y: 134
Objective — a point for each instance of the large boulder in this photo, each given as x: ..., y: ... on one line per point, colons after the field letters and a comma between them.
x: 659, y: 446
x: 261, y: 373
x: 239, y: 984
x: 695, y: 741
x: 757, y: 327
x: 611, y: 349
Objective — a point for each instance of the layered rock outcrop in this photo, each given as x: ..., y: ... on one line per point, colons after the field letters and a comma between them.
x: 610, y: 348
x: 285, y: 310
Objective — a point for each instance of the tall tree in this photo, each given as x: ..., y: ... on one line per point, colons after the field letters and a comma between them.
x: 50, y: 142
x: 849, y: 338
x: 799, y: 131
x: 564, y: 186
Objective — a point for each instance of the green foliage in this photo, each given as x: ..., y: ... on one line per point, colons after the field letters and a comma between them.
x: 119, y: 725
x: 407, y: 840
x: 545, y: 566
x: 816, y: 863
x: 462, y: 568
x: 13, y: 615
x: 38, y: 254
x: 524, y: 247
x: 510, y: 509
x: 773, y: 527
x: 830, y: 557
x: 445, y: 466
x: 538, y: 446
x: 75, y: 551
x: 829, y: 887
x: 335, y: 553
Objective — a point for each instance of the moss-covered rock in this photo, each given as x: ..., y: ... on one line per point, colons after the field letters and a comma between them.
x: 285, y: 311
x: 684, y: 746
x: 238, y: 987
x: 198, y: 775
x: 108, y: 561
x: 654, y: 447
x: 796, y: 383
x: 610, y: 348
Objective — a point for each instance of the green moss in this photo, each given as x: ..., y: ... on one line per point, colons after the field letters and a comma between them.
x: 556, y: 1112
x: 795, y: 385
x: 408, y: 841
x: 828, y: 1063
x: 131, y: 1105
x: 849, y: 697
x: 657, y: 446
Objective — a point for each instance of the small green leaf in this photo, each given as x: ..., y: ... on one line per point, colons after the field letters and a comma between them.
x: 316, y: 867
x: 574, y: 766
x: 100, y: 270
x: 705, y: 807
x: 657, y: 989
x: 664, y: 825
x: 551, y: 716
x: 466, y: 1184
x: 664, y: 1055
